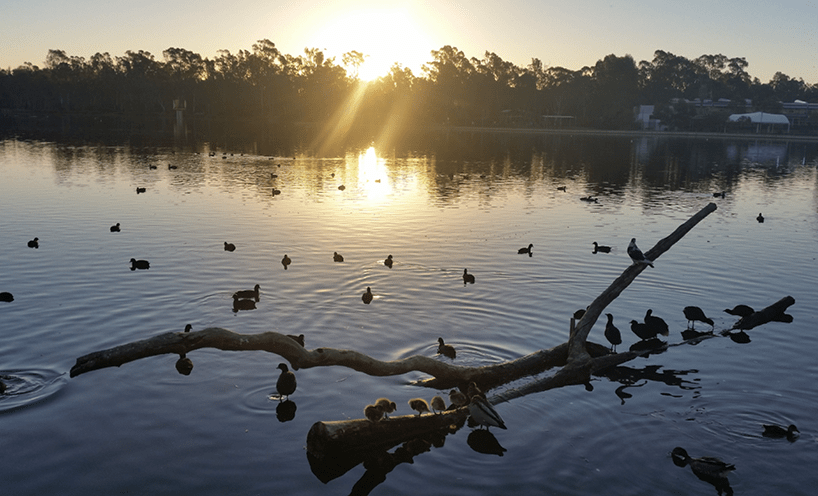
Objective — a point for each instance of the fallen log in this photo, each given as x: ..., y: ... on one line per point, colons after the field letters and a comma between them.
x: 773, y: 313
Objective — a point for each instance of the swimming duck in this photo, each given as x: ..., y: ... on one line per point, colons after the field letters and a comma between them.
x: 336, y: 257
x: 34, y: 243
x: 386, y: 405
x: 115, y: 228
x: 692, y: 314
x: 446, y: 350
x: 419, y: 405
x: 373, y: 412
x: 612, y: 334
x: 706, y: 466
x: 286, y: 261
x: 140, y: 190
x: 467, y: 278
x: 589, y: 199
x: 760, y: 218
x: 526, y: 250
x: 483, y: 413
x: 276, y: 191
x: 740, y: 310
x: 140, y: 264
x: 561, y: 188
x: 248, y: 293
x: 656, y: 324
x: 342, y: 187
x: 6, y: 297
x: 298, y: 339
x: 229, y: 246
x: 772, y: 430
x: 285, y: 385
x: 601, y: 248
x: 438, y: 404
x: 636, y: 254
x: 367, y: 297
x: 388, y: 261
x: 458, y: 399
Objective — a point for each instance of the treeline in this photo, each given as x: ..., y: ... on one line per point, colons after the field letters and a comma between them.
x: 274, y: 87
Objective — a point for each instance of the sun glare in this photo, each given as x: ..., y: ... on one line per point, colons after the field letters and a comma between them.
x: 384, y: 36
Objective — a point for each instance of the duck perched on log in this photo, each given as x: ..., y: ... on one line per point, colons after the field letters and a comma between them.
x: 657, y: 325
x: 612, y: 334
x: 457, y: 399
x: 484, y: 414
x: 388, y: 406
x: 740, y: 310
x: 419, y: 405
x: 693, y: 314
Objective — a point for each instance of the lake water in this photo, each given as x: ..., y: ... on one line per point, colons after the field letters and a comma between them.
x: 438, y: 206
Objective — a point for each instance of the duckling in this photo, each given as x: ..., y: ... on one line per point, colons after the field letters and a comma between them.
x: 115, y: 228
x: 373, y: 412
x: 656, y: 324
x: 692, y: 314
x: 140, y: 190
x: 367, y: 297
x: 740, y: 310
x: 285, y: 385
x: 706, y: 466
x: 34, y: 243
x: 438, y: 404
x: 776, y: 431
x: 6, y: 297
x: 526, y: 250
x: 336, y: 257
x: 457, y: 399
x: 760, y: 218
x: 612, y: 334
x: 239, y: 304
x: 248, y: 293
x: 388, y: 261
x: 140, y: 264
x: 188, y: 328
x: 298, y: 339
x: 467, y: 278
x: 419, y: 405
x: 446, y: 350
x: 386, y: 405
x: 286, y: 261
x: 473, y: 390
x: 483, y: 413
x: 601, y: 248
x: 229, y: 246
x: 342, y: 187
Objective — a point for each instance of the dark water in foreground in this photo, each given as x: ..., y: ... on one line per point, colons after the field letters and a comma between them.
x: 438, y: 207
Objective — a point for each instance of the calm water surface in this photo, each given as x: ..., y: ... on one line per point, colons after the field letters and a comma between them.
x: 457, y: 202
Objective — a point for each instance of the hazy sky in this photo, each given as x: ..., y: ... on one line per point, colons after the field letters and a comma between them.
x: 771, y: 36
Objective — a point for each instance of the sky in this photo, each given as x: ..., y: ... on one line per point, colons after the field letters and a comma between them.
x: 778, y: 36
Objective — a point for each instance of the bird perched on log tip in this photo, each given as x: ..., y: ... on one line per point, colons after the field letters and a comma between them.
x: 386, y: 405
x: 636, y: 254
x: 693, y: 314
x: 656, y: 324
x: 740, y: 310
x: 446, y: 350
x: 484, y: 414
x: 612, y: 334
x: 419, y: 405
x: 286, y: 383
x: 438, y: 404
x: 458, y: 399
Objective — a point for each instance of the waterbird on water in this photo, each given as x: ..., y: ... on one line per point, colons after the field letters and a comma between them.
x: 612, y: 334
x: 692, y: 314
x: 636, y: 254
x: 248, y: 293
x: 760, y: 218
x: 115, y: 228
x: 718, y: 195
x: 388, y: 261
x: 467, y: 278
x: 367, y: 297
x: 776, y: 431
x: 285, y: 385
x: 336, y: 257
x: 286, y: 261
x: 34, y: 243
x: 7, y: 297
x: 140, y: 190
x: 229, y: 246
x: 140, y: 264
x: 601, y: 248
x: 446, y: 350
x: 526, y: 250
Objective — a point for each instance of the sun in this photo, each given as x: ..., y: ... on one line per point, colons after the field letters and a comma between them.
x: 385, y: 36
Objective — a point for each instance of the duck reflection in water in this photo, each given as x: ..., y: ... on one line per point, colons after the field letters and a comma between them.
x: 285, y: 410
x: 707, y: 468
x: 243, y: 304
x: 483, y: 441
x: 184, y: 365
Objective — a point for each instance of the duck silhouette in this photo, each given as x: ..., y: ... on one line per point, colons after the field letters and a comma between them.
x: 388, y: 261
x: 115, y: 228
x: 6, y: 297
x: 248, y: 293
x: 467, y: 278
x: 526, y: 250
x: 693, y: 314
x: 367, y: 297
x: 140, y: 190
x: 286, y: 383
x: 482, y: 413
x: 446, y: 350
x: 656, y: 324
x: 229, y: 246
x: 601, y: 248
x: 612, y: 334
x: 34, y: 243
x: 718, y: 195
x: 740, y: 310
x: 336, y: 257
x: 760, y: 218
x: 140, y: 264
x: 457, y: 399
x: 286, y: 261
x: 642, y: 331
x: 342, y: 187
x: 707, y: 468
x: 776, y: 431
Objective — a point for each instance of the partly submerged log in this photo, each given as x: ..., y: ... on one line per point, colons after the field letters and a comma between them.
x: 773, y: 313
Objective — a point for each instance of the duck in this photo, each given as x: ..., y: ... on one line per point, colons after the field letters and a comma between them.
x: 140, y: 190
x: 388, y: 261
x: 740, y: 310
x: 188, y: 328
x: 641, y: 330
x: 590, y: 199
x: 7, y: 297
x: 601, y: 248
x: 367, y: 297
x: 34, y: 243
x: 718, y: 194
x: 286, y: 261
x: 526, y: 250
x: 248, y: 293
x: 446, y: 350
x: 656, y: 324
x: 152, y: 167
x: 760, y: 218
x: 692, y: 314
x: 239, y: 304
x: 706, y: 466
x: 336, y: 257
x: 229, y: 246
x: 419, y: 405
x: 115, y: 228
x: 474, y: 390
x: 172, y: 167
x: 467, y: 278
x: 457, y: 399
x: 438, y: 404
x: 140, y: 264
x: 387, y: 406
x: 484, y: 414
x: 342, y: 187
x: 776, y: 431
x: 273, y: 176
x: 612, y: 334
x: 298, y: 339
x: 285, y: 385
x: 374, y: 413
x: 636, y: 254
x: 579, y: 314
x: 561, y: 188
x: 276, y: 191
